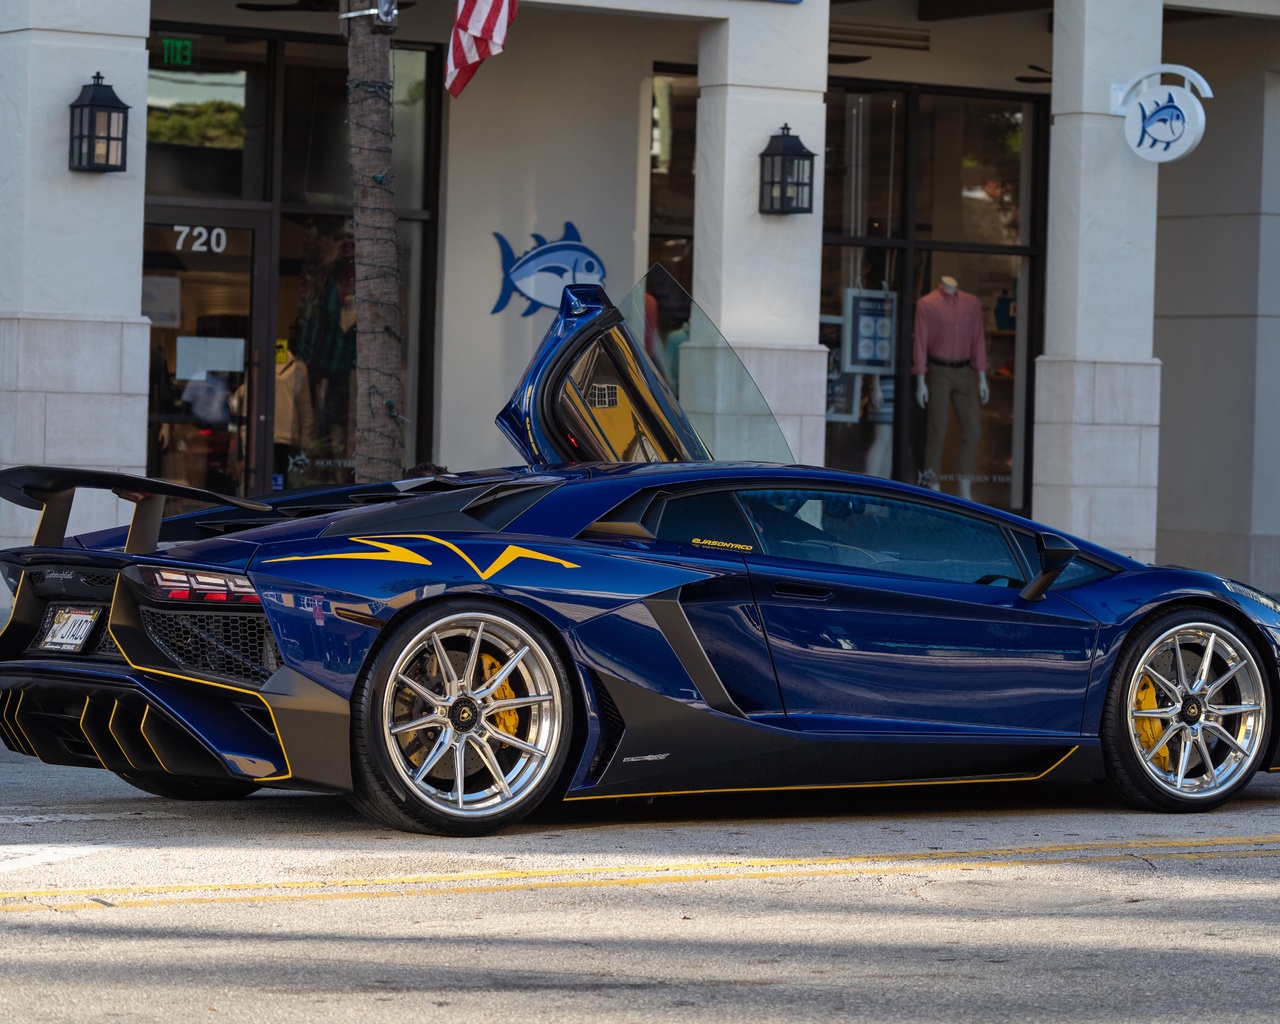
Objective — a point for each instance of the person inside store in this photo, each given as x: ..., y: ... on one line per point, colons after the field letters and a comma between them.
x: 949, y: 361
x: 295, y: 419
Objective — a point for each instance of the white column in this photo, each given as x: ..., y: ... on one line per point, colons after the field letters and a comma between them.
x: 1218, y: 312
x: 73, y: 347
x: 758, y: 275
x: 1097, y: 385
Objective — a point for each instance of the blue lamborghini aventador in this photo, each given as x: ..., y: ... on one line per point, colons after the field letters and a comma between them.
x: 622, y: 616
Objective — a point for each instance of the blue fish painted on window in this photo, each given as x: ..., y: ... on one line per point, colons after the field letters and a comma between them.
x: 1164, y: 125
x: 541, y: 274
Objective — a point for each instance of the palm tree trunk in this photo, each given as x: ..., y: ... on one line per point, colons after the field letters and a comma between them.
x: 379, y: 398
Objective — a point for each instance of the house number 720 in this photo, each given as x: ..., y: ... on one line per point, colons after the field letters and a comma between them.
x: 201, y: 239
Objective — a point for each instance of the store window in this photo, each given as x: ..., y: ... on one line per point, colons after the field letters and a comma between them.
x: 249, y: 263
x: 316, y: 149
x: 922, y: 186
x: 861, y: 285
x: 973, y: 170
x: 672, y: 150
x: 314, y: 423
x: 866, y: 150
x: 932, y: 272
x: 959, y: 437
x: 207, y: 116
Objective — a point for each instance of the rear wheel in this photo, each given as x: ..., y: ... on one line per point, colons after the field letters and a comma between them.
x: 462, y: 723
x: 181, y: 789
x: 1188, y: 715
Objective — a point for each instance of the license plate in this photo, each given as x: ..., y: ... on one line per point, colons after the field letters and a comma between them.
x: 71, y: 628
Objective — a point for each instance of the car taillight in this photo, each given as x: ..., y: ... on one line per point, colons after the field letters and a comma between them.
x: 189, y: 585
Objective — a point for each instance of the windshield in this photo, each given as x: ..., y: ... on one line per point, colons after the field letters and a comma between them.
x: 703, y: 371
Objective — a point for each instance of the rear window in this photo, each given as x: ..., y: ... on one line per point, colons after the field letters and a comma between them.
x: 711, y: 522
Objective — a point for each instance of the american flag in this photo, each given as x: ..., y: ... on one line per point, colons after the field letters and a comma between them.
x: 479, y: 32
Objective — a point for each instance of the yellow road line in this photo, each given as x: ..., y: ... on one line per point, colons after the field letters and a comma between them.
x: 503, y: 874
x: 640, y: 875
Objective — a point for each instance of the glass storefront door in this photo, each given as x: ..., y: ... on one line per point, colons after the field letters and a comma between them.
x: 931, y: 192
x: 249, y: 273
x: 206, y: 404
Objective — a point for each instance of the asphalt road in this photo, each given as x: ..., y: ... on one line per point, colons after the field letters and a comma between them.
x: 956, y: 903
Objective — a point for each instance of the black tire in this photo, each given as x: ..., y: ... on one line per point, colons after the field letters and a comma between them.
x: 1179, y: 734
x: 497, y: 709
x: 183, y: 789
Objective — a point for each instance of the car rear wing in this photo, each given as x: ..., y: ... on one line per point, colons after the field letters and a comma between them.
x: 51, y: 489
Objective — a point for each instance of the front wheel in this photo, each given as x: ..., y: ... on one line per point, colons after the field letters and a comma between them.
x: 462, y: 723
x: 1188, y: 715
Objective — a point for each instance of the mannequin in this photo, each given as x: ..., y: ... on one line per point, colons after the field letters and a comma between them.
x: 295, y: 420
x: 950, y: 351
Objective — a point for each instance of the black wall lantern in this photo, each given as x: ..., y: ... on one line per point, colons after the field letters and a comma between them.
x: 99, y: 126
x: 786, y: 175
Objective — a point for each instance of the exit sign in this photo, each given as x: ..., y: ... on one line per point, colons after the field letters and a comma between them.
x: 177, y: 52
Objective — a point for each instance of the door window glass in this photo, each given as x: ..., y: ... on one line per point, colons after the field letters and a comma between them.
x: 196, y: 289
x: 886, y: 534
x: 206, y: 116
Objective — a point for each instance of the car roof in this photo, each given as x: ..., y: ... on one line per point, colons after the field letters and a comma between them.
x: 592, y: 490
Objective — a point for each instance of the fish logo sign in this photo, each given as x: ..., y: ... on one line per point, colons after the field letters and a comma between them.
x: 1165, y: 124
x: 540, y: 275
x: 1161, y: 122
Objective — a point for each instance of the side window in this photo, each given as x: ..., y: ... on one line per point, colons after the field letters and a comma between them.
x: 887, y: 534
x: 1081, y: 570
x: 713, y: 522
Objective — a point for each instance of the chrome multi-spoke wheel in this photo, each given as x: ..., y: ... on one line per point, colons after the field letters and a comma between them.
x: 1188, y: 716
x: 469, y: 720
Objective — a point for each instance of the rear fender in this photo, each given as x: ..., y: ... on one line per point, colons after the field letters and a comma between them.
x: 335, y: 602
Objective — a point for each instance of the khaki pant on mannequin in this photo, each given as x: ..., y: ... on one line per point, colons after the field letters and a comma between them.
x: 944, y: 387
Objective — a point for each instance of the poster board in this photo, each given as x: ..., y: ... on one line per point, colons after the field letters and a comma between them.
x: 869, y: 331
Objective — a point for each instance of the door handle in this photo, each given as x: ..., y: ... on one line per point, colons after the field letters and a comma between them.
x: 803, y: 592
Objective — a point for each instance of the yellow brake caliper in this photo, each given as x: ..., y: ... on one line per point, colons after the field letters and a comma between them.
x: 504, y: 721
x: 1151, y: 729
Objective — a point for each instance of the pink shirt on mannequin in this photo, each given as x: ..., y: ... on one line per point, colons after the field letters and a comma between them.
x: 949, y: 327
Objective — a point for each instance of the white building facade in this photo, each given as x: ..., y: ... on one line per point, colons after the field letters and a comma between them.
x: 191, y: 317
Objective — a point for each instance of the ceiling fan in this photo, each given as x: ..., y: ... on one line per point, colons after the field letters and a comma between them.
x: 305, y: 6
x: 1044, y: 78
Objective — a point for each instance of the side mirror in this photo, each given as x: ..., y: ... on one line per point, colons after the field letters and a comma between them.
x: 1056, y: 554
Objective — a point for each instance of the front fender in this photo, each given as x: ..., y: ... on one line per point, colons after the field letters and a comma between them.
x: 1124, y: 601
